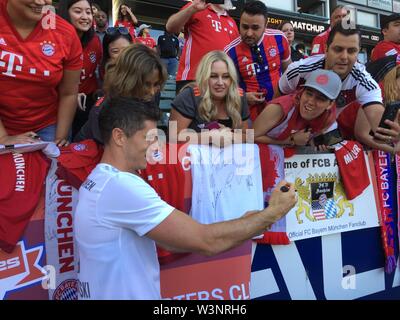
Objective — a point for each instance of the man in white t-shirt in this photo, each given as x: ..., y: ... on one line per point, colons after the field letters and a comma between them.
x: 120, y: 218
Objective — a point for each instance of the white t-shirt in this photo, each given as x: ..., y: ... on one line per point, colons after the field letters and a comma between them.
x: 358, y: 85
x: 115, y: 211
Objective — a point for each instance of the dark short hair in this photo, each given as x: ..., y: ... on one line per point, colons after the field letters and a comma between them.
x: 96, y: 6
x: 339, y: 6
x: 254, y: 8
x: 338, y: 28
x: 385, y: 20
x: 127, y: 114
x: 107, y: 40
x: 280, y: 26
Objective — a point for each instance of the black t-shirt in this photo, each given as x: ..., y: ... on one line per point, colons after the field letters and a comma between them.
x: 168, y: 45
x: 186, y: 103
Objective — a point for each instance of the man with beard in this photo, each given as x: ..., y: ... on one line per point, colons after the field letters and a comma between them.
x: 101, y: 24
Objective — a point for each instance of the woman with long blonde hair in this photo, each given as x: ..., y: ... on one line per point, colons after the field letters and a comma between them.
x: 391, y: 85
x: 207, y: 110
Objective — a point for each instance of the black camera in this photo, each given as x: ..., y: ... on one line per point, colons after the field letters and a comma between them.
x: 328, y: 139
x: 215, y: 1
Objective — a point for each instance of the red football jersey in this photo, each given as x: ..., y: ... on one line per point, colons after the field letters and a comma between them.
x: 77, y: 161
x: 31, y: 70
x: 385, y: 48
x: 148, y: 41
x: 22, y: 181
x: 127, y: 24
x: 205, y: 31
x: 92, y: 55
x: 168, y: 172
x: 319, y: 42
x: 352, y: 168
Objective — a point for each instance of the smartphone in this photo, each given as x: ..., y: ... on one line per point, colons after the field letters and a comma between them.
x: 389, y: 113
x: 328, y: 139
x: 212, y: 125
x: 263, y: 91
x: 215, y: 1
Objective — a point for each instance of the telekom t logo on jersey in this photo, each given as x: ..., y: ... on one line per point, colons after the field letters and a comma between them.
x: 12, y: 59
x: 252, y: 69
x: 216, y: 25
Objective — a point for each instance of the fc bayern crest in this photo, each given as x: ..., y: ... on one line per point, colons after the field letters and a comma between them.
x: 48, y: 49
x: 79, y: 147
x: 92, y: 57
x: 158, y: 155
x: 272, y: 52
x: 67, y: 290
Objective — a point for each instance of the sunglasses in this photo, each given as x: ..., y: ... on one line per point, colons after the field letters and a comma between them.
x: 257, y: 51
x: 114, y: 30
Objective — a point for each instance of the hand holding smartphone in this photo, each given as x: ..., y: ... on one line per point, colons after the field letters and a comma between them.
x: 389, y: 113
x: 328, y: 139
x: 215, y: 1
x: 212, y: 125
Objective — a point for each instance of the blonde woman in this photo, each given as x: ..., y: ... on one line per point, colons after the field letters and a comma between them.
x: 207, y: 110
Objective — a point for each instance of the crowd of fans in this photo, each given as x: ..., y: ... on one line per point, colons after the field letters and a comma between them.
x: 219, y: 91
x: 57, y: 82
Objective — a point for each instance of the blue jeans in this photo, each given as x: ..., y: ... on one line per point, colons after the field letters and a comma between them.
x: 48, y: 133
x: 171, y: 64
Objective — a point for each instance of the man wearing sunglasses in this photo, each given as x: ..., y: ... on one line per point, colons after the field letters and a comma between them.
x: 260, y: 55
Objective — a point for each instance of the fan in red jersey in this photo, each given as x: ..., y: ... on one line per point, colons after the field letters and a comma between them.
x: 79, y: 14
x: 40, y: 63
x: 144, y: 36
x: 126, y: 19
x: 318, y: 45
x: 207, y: 27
